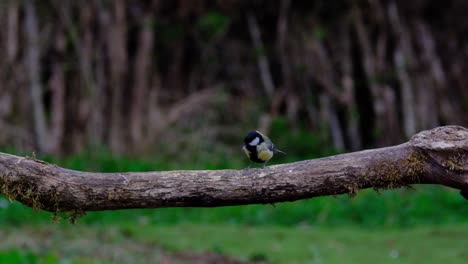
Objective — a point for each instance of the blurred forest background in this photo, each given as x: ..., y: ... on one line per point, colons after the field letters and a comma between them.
x: 126, y: 85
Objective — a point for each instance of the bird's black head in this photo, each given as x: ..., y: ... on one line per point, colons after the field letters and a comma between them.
x: 253, y: 138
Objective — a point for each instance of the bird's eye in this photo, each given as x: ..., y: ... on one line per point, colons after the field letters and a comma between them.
x: 254, y: 142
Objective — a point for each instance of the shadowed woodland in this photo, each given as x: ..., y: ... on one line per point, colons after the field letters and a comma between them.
x: 124, y: 86
x: 126, y: 74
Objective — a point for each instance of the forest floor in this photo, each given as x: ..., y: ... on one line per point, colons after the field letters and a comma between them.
x: 189, y: 243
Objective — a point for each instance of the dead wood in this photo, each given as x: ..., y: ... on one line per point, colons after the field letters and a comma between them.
x: 436, y: 156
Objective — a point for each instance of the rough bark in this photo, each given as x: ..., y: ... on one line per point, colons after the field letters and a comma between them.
x: 431, y: 157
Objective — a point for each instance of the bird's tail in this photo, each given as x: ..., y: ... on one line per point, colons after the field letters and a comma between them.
x: 279, y: 151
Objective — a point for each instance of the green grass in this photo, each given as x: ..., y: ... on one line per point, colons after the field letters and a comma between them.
x: 310, y: 245
x: 19, y: 256
x: 144, y: 243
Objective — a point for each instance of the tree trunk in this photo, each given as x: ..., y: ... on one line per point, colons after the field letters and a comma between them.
x: 431, y: 157
x: 142, y: 78
x: 12, y: 31
x: 32, y: 64
x: 404, y: 61
x: 57, y: 86
x: 118, y: 58
x: 260, y: 53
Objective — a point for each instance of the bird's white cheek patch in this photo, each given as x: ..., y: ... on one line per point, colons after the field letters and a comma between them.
x: 254, y: 142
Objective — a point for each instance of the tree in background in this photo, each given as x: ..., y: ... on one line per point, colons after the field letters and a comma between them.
x: 121, y: 73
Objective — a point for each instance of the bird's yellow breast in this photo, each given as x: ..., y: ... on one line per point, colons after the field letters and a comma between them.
x: 265, y: 155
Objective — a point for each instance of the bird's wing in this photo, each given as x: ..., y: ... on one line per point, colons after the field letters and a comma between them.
x: 270, y: 144
x: 266, y: 139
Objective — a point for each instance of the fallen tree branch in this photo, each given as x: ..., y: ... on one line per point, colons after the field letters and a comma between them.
x: 431, y: 157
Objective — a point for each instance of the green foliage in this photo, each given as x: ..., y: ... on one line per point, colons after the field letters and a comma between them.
x: 17, y: 256
x: 213, y: 24
x: 320, y: 33
x: 299, y: 143
x: 171, y: 33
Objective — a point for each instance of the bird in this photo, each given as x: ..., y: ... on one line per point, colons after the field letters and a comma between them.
x: 259, y: 148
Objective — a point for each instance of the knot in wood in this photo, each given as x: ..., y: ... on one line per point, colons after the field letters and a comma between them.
x: 445, y: 138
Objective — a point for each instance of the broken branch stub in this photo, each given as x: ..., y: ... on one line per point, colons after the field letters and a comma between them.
x: 446, y: 149
x: 446, y: 138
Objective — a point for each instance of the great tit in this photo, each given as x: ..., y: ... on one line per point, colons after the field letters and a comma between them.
x: 259, y: 148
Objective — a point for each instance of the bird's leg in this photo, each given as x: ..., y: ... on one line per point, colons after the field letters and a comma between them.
x: 248, y: 167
